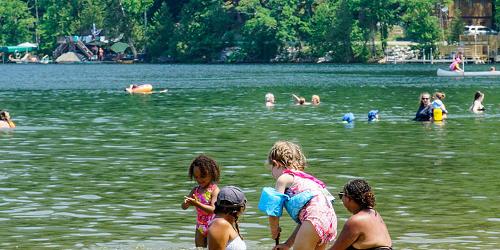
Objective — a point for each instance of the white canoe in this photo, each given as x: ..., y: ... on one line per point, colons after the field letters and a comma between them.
x: 441, y: 72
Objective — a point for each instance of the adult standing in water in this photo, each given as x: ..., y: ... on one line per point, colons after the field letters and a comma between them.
x: 365, y: 229
x: 424, y: 112
x: 224, y: 232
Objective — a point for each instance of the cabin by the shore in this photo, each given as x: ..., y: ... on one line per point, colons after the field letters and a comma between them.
x: 473, y: 12
x: 478, y: 48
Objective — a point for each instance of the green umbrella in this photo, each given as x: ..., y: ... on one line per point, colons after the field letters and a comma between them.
x: 119, y: 47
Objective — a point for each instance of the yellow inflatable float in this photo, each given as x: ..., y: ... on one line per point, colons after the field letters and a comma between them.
x: 142, y: 89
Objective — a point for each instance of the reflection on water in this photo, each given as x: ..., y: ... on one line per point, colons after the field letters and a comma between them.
x: 91, y: 167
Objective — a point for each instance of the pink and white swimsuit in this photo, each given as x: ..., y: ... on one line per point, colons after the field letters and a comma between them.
x: 319, y: 211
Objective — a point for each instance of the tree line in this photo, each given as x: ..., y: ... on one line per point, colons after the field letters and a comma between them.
x: 232, y: 30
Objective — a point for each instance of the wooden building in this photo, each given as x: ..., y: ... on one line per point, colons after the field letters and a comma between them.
x: 474, y: 12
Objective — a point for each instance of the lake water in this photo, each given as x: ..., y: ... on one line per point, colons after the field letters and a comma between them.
x: 91, y: 167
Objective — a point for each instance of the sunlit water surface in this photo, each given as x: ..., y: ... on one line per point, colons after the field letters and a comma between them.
x: 91, y: 167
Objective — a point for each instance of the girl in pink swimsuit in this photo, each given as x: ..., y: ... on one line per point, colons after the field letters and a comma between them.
x: 203, y: 196
x: 318, y: 222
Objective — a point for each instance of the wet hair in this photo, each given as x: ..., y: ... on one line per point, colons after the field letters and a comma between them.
x: 269, y: 97
x: 478, y: 95
x: 360, y: 192
x: 439, y: 95
x: 207, y: 166
x: 288, y: 153
x: 302, y: 100
x: 315, y: 97
x: 227, y: 207
x: 3, y: 115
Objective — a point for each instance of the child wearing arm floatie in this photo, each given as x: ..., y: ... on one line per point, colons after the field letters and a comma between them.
x: 308, y: 201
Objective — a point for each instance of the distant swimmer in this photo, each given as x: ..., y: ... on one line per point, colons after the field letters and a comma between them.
x: 5, y: 121
x: 142, y: 89
x: 269, y: 99
x: 300, y: 100
x: 315, y: 100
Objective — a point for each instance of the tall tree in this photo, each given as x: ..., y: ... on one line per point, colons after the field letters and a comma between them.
x: 377, y: 15
x: 59, y: 19
x: 258, y: 39
x: 456, y: 27
x: 496, y: 14
x: 426, y: 30
x: 289, y: 24
x: 323, y: 31
x: 16, y: 23
x: 160, y: 33
x: 92, y: 12
x: 200, y: 34
x: 127, y: 17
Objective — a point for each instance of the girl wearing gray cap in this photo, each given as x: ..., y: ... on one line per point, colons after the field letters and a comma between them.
x: 224, y: 232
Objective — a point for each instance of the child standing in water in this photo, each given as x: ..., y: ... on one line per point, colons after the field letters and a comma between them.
x: 318, y: 222
x: 203, y: 196
x: 438, y: 104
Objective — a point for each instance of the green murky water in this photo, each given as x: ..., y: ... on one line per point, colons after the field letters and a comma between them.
x: 90, y: 167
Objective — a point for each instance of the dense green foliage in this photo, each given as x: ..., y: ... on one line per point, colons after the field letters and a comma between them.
x: 229, y: 30
x: 16, y: 23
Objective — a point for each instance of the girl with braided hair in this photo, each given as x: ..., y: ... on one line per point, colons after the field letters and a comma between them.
x: 365, y: 229
x: 224, y: 232
x: 317, y: 222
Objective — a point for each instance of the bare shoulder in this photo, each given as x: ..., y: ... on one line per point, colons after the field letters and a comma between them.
x: 366, y: 219
x: 218, y: 233
x: 285, y: 179
x: 359, y: 219
x: 216, y: 191
x: 220, y: 223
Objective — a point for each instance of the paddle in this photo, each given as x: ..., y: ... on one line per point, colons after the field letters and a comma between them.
x: 463, y: 65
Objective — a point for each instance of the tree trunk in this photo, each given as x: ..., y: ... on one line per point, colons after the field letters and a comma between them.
x: 128, y: 29
x: 132, y: 47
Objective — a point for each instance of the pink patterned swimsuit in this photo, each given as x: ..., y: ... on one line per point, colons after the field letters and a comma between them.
x: 319, y: 211
x: 204, y: 218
